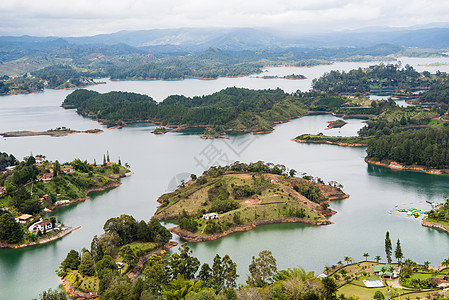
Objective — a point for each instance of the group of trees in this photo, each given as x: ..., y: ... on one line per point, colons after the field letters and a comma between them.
x: 236, y: 108
x: 182, y: 276
x: 6, y: 161
x: 426, y: 147
x: 378, y: 76
x: 10, y: 231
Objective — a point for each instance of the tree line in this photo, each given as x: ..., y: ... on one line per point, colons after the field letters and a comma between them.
x: 426, y: 147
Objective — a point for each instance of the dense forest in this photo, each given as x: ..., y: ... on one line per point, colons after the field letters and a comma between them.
x: 104, y: 269
x: 378, y: 76
x: 231, y: 108
x: 425, y: 147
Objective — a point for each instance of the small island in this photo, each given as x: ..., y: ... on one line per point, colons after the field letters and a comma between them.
x: 32, y: 188
x: 332, y: 140
x: 242, y: 196
x: 336, y: 124
x: 291, y: 77
x: 57, y: 132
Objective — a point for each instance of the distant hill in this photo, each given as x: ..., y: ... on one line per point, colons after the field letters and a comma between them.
x: 235, y: 39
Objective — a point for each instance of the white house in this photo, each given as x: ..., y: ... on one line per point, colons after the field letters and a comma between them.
x: 210, y: 216
x: 42, y: 225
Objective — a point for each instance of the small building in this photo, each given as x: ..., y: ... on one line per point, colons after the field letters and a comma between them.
x: 23, y: 218
x: 67, y: 170
x: 273, y: 181
x: 210, y: 216
x: 2, y: 191
x: 42, y: 225
x: 109, y: 164
x: 47, y: 177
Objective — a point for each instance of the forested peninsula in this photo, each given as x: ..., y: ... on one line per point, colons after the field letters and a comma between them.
x: 242, y: 196
x: 229, y: 109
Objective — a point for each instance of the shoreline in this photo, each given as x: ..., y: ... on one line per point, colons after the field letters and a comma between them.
x: 196, y: 238
x: 329, y: 143
x: 431, y: 224
x: 43, y: 241
x: 397, y: 166
x: 111, y: 185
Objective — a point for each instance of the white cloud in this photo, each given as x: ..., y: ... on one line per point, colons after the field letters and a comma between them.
x: 88, y: 17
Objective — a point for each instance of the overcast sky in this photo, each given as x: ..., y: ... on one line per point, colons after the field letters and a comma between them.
x: 90, y: 17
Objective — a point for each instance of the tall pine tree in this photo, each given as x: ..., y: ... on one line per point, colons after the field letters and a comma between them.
x: 388, y: 247
x: 398, y: 252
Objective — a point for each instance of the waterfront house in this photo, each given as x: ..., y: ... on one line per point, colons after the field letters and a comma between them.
x: 210, y: 216
x: 2, y: 191
x: 42, y: 225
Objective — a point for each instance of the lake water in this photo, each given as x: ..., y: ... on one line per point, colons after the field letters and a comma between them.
x: 161, y: 161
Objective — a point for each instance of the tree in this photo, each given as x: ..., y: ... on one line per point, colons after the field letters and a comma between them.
x: 445, y: 262
x: 156, y: 274
x: 378, y: 295
x: 56, y: 168
x: 262, y: 269
x: 377, y: 258
x: 107, y: 157
x: 128, y: 256
x: 348, y: 259
x: 10, y: 231
x: 183, y: 263
x: 72, y: 261
x: 366, y: 255
x: 180, y: 287
x: 427, y: 264
x: 87, y: 264
x: 104, y: 160
x: 229, y: 272
x: 330, y: 287
x: 388, y: 247
x: 53, y: 295
x: 398, y: 252
x: 53, y: 221
x: 292, y: 172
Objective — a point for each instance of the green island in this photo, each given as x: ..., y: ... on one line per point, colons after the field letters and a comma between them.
x: 291, y: 76
x: 236, y: 109
x: 332, y: 140
x: 32, y: 188
x: 336, y: 124
x: 241, y: 196
x: 112, y: 267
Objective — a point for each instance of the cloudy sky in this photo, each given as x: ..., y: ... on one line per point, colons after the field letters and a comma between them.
x: 89, y: 17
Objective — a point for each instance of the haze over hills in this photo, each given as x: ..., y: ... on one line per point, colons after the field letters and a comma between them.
x: 237, y: 39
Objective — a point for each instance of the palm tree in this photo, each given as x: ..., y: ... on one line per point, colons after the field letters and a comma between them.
x: 366, y: 255
x: 339, y: 263
x: 445, y: 262
x: 427, y: 264
x: 377, y: 258
x: 347, y: 259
